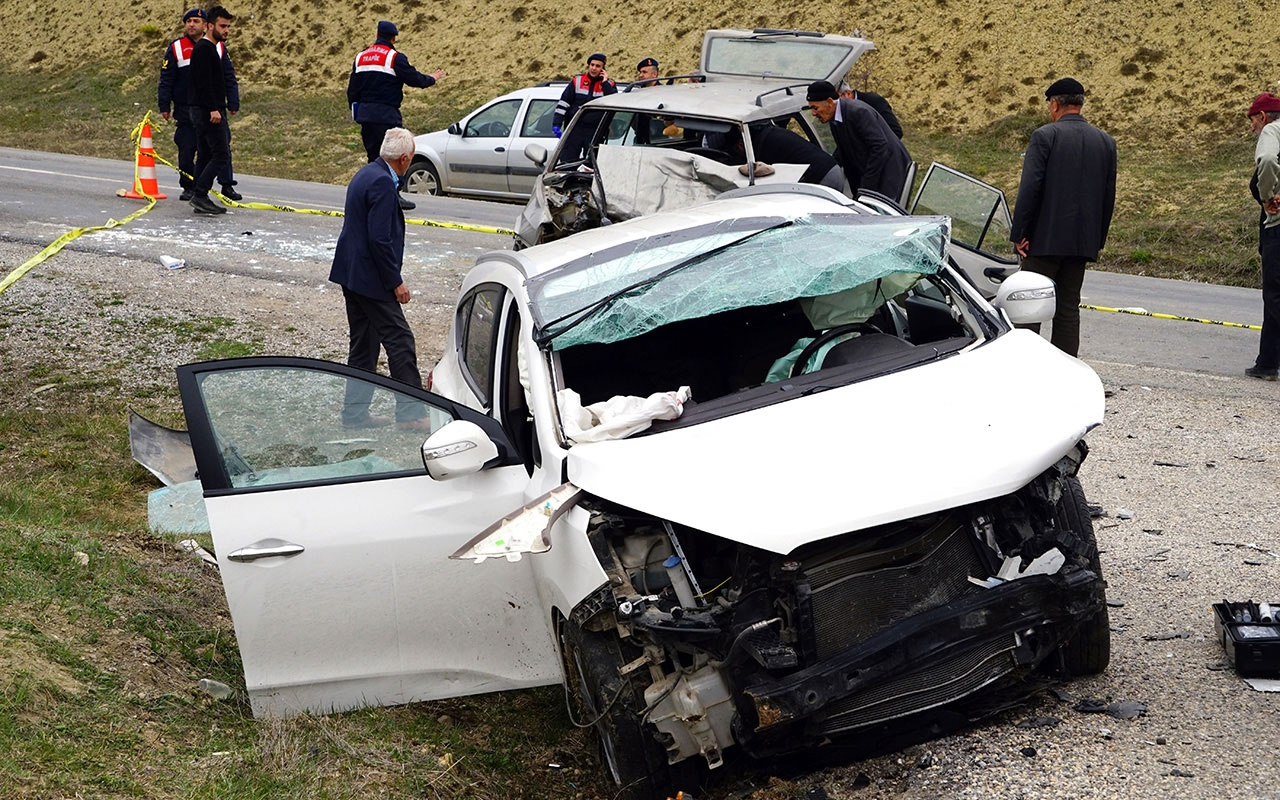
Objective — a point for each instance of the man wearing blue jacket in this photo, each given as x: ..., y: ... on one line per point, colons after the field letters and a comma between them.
x: 366, y: 264
x: 376, y: 89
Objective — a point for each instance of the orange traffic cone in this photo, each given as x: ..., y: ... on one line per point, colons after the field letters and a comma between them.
x: 144, y: 174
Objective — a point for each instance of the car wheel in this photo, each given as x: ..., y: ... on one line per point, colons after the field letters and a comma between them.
x: 422, y: 178
x: 613, y: 704
x: 1089, y: 651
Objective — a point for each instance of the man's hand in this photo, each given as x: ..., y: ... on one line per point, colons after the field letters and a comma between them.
x: 1272, y: 206
x: 215, y: 117
x: 1023, y: 247
x: 556, y: 130
x: 165, y: 114
x: 438, y: 75
x: 402, y: 294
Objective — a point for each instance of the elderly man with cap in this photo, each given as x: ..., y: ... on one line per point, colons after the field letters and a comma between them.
x: 175, y: 91
x: 589, y: 85
x: 1065, y: 200
x: 1265, y: 187
x: 871, y: 155
x: 376, y: 89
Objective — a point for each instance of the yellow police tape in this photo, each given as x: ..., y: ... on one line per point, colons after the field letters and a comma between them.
x: 1141, y: 312
x: 136, y: 137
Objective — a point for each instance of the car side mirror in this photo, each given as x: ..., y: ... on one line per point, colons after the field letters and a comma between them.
x: 1027, y: 298
x: 536, y: 153
x: 455, y: 129
x: 459, y: 448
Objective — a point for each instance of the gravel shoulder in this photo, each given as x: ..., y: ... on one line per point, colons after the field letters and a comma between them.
x: 1194, y: 458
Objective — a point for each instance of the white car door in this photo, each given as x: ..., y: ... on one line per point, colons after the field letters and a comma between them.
x: 333, y: 543
x: 980, y: 224
x: 478, y: 158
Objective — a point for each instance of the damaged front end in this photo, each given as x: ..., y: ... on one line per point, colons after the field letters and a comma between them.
x: 571, y: 204
x: 699, y: 643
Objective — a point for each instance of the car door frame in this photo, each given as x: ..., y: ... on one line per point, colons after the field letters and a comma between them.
x: 423, y: 627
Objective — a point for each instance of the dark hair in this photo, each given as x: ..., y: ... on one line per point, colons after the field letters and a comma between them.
x: 1069, y: 99
x: 218, y: 12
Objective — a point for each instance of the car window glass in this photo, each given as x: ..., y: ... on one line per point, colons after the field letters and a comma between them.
x: 494, y: 121
x: 480, y: 323
x: 284, y: 425
x: 979, y: 216
x: 538, y: 119
x: 806, y: 59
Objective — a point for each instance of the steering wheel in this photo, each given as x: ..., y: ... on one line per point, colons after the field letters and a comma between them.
x: 826, y: 336
x: 711, y: 153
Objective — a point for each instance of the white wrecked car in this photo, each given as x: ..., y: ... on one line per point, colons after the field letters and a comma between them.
x: 762, y: 474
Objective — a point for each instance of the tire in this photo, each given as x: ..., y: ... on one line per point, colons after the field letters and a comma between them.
x: 422, y: 178
x: 632, y: 756
x: 1089, y: 651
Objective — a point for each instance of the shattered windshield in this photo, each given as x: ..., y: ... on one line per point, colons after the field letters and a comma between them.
x: 623, y: 292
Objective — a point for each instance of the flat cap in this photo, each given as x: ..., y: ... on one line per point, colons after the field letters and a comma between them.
x: 1064, y: 86
x: 821, y: 90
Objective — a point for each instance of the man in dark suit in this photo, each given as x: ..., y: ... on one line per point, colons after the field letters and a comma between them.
x: 872, y: 156
x: 1065, y: 200
x: 877, y: 102
x: 366, y: 263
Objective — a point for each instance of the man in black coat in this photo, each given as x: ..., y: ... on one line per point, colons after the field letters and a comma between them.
x: 872, y: 156
x: 774, y: 145
x: 877, y: 102
x: 1065, y: 200
x: 209, y: 109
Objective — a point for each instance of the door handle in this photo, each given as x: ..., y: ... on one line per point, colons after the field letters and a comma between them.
x: 499, y: 149
x: 267, y: 548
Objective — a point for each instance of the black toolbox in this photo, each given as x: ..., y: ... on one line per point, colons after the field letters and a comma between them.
x: 1250, y: 634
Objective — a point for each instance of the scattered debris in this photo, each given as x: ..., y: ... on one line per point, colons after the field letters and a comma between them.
x: 1120, y: 709
x: 83, y: 558
x: 1161, y: 740
x: 1124, y: 513
x: 194, y: 548
x: 1096, y: 511
x: 216, y: 689
x: 1039, y: 722
x: 1029, y: 752
x: 1177, y: 773
x: 1247, y: 546
x: 1253, y: 562
x: 1263, y: 684
x: 1115, y: 604
x: 1105, y: 733
x: 169, y: 262
x: 1154, y: 531
x: 1160, y: 463
x: 1164, y: 637
x: 1180, y: 575
x: 1251, y: 459
x: 1159, y: 555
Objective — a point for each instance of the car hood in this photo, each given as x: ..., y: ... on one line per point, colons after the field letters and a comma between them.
x: 971, y: 427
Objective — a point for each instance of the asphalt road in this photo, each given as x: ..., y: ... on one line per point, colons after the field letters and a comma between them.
x: 43, y: 195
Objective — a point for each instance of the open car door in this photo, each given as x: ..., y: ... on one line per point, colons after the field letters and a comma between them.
x: 980, y: 224
x: 333, y: 543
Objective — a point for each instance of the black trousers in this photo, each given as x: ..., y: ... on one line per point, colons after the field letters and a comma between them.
x: 184, y: 136
x: 372, y: 134
x: 378, y: 324
x: 1068, y: 278
x: 213, y: 142
x: 1269, y: 342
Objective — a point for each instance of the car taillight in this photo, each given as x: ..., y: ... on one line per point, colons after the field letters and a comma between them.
x: 430, y: 380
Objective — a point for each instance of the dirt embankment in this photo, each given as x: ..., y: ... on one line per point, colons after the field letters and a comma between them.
x: 1179, y: 73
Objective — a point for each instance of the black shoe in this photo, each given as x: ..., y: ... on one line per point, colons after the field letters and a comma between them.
x: 1262, y: 374
x: 203, y: 205
x: 186, y: 195
x: 406, y: 204
x: 231, y: 194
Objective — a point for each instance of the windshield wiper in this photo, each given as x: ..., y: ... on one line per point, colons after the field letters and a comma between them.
x: 542, y: 336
